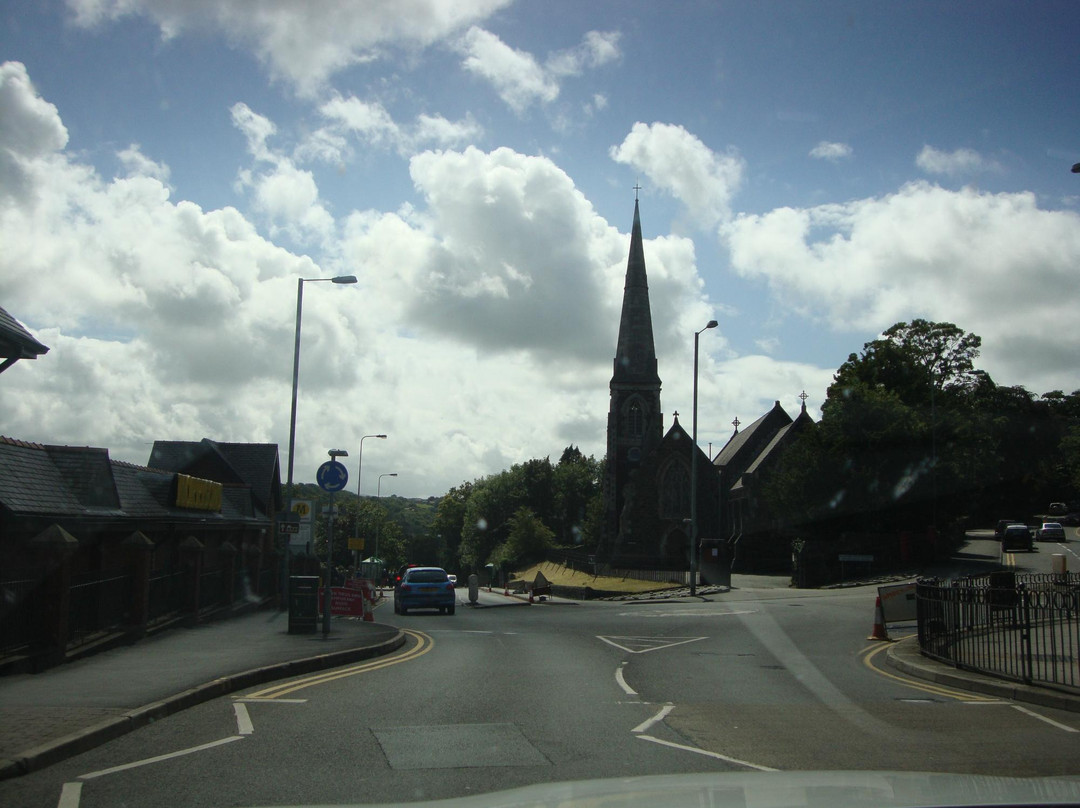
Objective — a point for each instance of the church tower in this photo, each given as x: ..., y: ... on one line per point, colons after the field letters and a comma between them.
x: 635, y: 423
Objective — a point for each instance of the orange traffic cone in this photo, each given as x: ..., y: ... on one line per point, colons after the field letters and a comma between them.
x: 879, y: 632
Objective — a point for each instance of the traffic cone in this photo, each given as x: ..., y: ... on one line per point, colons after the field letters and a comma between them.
x: 368, y: 616
x: 879, y: 632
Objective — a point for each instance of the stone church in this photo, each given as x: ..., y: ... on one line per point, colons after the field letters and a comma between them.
x: 647, y: 491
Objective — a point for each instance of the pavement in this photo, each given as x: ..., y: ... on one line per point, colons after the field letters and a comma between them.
x: 61, y: 712
x: 904, y: 656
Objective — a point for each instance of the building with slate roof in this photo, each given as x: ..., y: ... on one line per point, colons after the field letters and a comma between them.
x: 16, y: 342
x: 753, y: 531
x: 99, y: 548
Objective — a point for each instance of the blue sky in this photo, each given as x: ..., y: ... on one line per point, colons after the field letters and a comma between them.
x: 810, y: 172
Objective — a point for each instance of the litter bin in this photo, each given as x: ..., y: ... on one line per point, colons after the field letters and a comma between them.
x: 303, y: 604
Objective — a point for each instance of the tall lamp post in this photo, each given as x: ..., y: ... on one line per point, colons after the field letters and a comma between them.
x: 694, y: 475
x: 292, y: 415
x: 359, y: 471
x: 378, y: 495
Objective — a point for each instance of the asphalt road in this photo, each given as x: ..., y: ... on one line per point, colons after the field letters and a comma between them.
x: 492, y: 698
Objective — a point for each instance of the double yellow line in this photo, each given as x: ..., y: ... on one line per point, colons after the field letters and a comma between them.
x: 868, y: 655
x: 423, y: 644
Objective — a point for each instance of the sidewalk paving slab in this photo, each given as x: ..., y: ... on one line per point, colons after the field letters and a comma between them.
x: 49, y: 716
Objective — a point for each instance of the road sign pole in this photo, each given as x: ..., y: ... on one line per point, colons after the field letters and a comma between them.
x: 329, y: 569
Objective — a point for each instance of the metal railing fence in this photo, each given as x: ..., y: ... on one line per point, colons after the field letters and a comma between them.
x: 167, y: 591
x: 98, y: 603
x: 17, y: 609
x: 1024, y: 627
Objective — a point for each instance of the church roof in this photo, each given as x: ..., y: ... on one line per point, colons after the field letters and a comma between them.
x: 635, y: 353
x: 782, y: 437
x: 753, y: 435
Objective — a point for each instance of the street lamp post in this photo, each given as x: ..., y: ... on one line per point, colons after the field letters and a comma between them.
x: 694, y: 475
x: 328, y: 584
x: 292, y: 415
x: 359, y: 471
x: 378, y: 495
x: 296, y: 362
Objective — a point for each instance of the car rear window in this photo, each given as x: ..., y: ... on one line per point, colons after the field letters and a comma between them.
x: 426, y: 576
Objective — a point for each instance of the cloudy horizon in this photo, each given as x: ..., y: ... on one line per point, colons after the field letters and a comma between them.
x: 168, y: 172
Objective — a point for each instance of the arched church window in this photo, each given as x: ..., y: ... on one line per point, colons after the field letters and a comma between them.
x: 675, y: 492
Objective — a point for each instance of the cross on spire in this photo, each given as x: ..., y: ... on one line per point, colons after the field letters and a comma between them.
x: 736, y: 423
x: 637, y: 187
x: 803, y: 396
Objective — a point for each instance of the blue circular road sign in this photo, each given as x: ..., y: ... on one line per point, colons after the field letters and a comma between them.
x: 332, y: 476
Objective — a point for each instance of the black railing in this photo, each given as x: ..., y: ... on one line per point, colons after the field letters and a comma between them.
x: 167, y: 591
x: 1018, y: 626
x: 98, y: 603
x: 17, y: 610
x: 211, y: 589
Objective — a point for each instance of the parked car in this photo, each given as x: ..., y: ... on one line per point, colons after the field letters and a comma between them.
x: 1058, y: 508
x: 425, y: 588
x: 1050, y: 531
x: 1016, y: 537
x: 999, y: 528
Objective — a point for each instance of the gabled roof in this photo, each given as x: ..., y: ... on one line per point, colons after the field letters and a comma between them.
x: 772, y: 449
x: 252, y: 464
x: 16, y: 342
x: 757, y: 434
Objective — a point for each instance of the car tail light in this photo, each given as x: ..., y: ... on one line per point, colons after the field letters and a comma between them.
x: 450, y: 585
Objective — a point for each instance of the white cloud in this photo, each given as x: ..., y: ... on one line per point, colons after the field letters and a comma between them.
x: 483, y: 322
x: 30, y: 128
x: 372, y: 125
x: 994, y: 264
x: 519, y: 78
x: 831, y: 151
x: 516, y: 76
x: 302, y: 43
x: 138, y: 164
x: 678, y: 162
x: 959, y: 163
x: 286, y: 195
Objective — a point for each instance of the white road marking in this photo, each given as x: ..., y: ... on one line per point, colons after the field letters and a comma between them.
x: 159, y: 758
x: 243, y: 719
x: 1049, y: 721
x: 622, y: 682
x: 69, y: 795
x: 272, y: 701
x: 660, y: 716
x: 707, y: 753
x: 686, y: 613
x: 650, y: 643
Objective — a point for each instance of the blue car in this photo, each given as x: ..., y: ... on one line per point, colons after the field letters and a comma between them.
x: 424, y: 588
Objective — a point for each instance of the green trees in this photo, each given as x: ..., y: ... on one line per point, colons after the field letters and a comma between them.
x: 913, y: 434
x: 511, y: 517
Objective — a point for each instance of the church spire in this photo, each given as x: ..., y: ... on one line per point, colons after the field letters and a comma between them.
x: 635, y: 354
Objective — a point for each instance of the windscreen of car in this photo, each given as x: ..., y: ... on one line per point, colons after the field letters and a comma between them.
x: 426, y: 577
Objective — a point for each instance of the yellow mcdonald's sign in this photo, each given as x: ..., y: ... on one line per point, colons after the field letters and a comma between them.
x: 202, y: 495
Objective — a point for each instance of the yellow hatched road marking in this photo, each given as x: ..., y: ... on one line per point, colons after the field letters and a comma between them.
x: 937, y: 690
x: 424, y: 644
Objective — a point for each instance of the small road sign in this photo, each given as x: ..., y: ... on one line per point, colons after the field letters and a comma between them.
x: 332, y: 476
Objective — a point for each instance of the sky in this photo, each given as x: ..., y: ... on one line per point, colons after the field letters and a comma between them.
x: 808, y: 174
